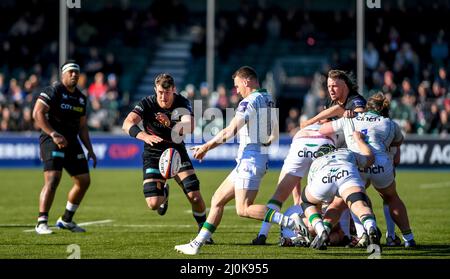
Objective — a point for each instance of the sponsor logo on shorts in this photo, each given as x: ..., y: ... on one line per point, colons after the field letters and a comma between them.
x: 330, y: 178
x: 80, y: 156
x: 152, y: 170
x: 185, y: 164
x: 373, y: 170
x: 57, y: 154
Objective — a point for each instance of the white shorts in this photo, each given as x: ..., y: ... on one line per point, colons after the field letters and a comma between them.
x: 249, y: 170
x: 301, y: 154
x: 381, y: 173
x: 331, y: 181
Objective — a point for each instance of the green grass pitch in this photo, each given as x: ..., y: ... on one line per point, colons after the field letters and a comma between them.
x: 129, y: 230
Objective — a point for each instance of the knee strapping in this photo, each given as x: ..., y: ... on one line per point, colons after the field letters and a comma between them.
x: 358, y: 196
x: 190, y: 183
x: 153, y: 188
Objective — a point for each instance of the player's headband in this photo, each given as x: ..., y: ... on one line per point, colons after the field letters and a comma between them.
x: 70, y: 66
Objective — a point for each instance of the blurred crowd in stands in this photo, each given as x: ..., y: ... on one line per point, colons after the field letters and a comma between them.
x: 406, y: 59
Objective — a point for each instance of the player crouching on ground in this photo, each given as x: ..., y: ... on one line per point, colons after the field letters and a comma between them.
x: 335, y: 173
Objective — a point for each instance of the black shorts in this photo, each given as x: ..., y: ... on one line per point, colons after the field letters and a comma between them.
x: 151, y: 157
x: 71, y: 158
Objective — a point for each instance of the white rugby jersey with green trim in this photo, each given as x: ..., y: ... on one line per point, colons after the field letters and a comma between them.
x: 257, y: 109
x: 379, y: 131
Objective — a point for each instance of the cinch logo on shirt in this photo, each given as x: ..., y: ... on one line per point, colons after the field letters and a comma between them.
x: 368, y: 118
x: 335, y: 177
x: 305, y: 153
x: 375, y: 169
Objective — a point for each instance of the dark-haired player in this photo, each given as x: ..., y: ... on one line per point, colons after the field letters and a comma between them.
x: 166, y: 117
x: 60, y: 112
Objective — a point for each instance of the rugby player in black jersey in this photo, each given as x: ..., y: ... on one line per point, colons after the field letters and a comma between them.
x: 344, y: 98
x: 167, y: 117
x: 60, y: 112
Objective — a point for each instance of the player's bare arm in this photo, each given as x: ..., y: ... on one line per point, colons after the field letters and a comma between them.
x: 185, y: 126
x: 130, y: 125
x: 364, y: 148
x: 39, y: 112
x: 222, y: 137
x: 333, y: 111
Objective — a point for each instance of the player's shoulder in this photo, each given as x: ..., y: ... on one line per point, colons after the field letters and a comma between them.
x: 180, y: 99
x: 355, y: 97
x: 149, y: 100
x: 53, y: 88
x: 80, y: 94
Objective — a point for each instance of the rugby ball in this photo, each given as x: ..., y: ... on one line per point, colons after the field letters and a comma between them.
x: 169, y: 163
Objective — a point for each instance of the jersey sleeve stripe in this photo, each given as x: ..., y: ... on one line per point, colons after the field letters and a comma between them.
x: 42, y: 101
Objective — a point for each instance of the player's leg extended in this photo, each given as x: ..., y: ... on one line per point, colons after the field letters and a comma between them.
x: 244, y: 204
x: 398, y: 211
x: 221, y: 197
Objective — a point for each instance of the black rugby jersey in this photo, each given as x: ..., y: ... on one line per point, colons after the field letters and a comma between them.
x: 148, y: 109
x: 353, y: 101
x: 66, y: 109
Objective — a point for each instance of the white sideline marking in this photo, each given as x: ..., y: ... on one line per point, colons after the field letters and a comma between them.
x: 435, y: 185
x: 16, y: 225
x: 227, y: 207
x: 83, y: 224
x: 137, y: 225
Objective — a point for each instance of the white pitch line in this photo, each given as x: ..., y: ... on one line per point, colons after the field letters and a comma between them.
x: 16, y: 225
x: 153, y: 226
x: 96, y: 222
x: 435, y: 185
x: 83, y: 224
x: 181, y: 226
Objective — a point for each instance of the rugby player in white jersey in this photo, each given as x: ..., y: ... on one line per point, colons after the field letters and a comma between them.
x: 255, y: 122
x: 301, y: 154
x: 381, y: 134
x: 335, y: 174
